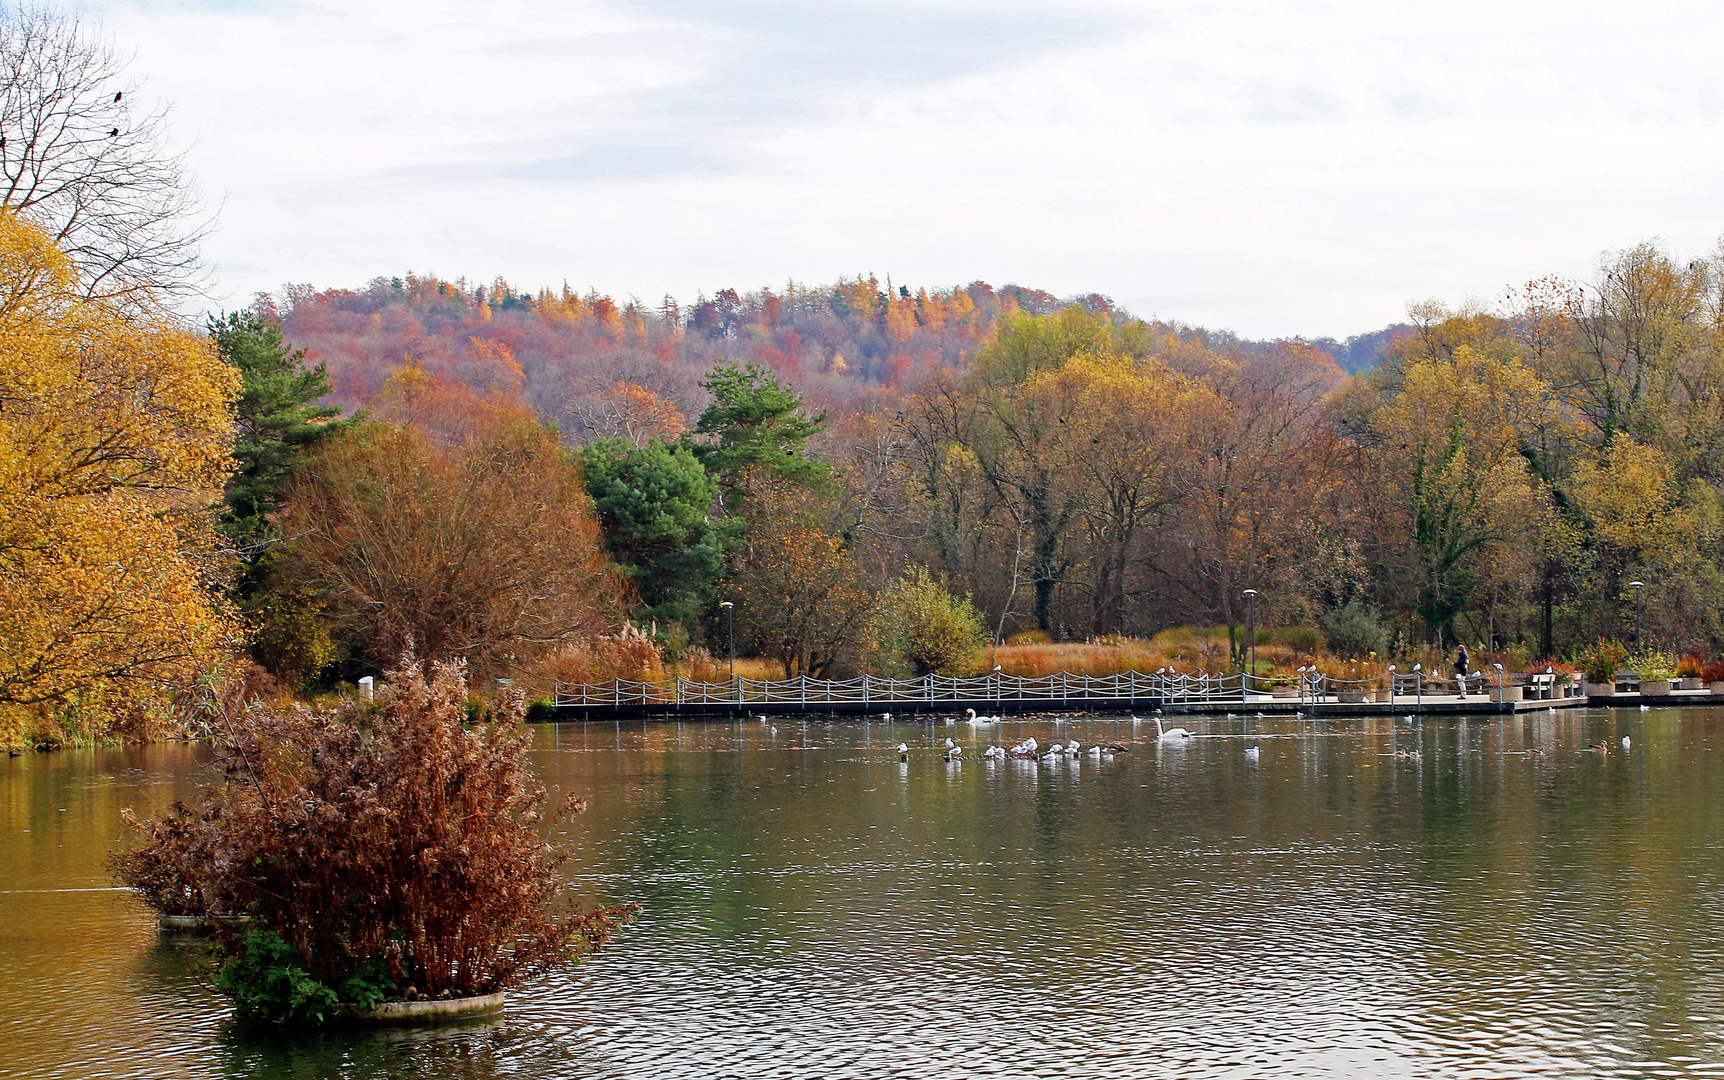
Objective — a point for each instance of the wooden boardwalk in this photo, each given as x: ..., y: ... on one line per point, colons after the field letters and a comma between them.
x: 999, y: 695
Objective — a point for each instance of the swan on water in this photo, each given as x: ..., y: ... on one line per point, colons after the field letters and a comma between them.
x: 1170, y: 734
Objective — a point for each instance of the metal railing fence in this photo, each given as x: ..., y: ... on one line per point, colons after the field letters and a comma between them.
x: 1168, y: 687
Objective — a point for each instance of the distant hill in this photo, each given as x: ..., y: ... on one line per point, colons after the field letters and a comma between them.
x: 1361, y: 351
x: 559, y: 349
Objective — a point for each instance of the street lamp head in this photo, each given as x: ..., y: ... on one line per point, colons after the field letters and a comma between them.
x: 726, y: 603
x: 1637, y: 584
x: 1499, y: 667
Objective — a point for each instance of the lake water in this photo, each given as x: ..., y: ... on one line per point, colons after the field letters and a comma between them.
x: 815, y: 908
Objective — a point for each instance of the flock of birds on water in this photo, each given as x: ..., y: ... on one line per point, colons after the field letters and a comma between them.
x: 1071, y: 749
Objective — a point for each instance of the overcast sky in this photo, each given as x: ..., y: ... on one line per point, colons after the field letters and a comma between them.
x: 1298, y: 168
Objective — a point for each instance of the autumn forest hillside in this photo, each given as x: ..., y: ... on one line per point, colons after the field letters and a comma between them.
x: 565, y: 350
x: 1495, y: 475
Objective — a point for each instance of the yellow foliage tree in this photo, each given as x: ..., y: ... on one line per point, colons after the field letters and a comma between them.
x: 115, y: 433
x: 1449, y: 455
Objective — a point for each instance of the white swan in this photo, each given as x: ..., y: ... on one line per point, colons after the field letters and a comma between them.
x: 1168, y: 734
x: 974, y: 719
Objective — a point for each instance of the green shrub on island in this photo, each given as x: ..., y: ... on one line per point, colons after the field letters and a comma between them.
x: 267, y: 979
x: 382, y: 850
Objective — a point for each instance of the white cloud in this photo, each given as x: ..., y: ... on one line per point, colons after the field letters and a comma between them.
x: 1276, y: 168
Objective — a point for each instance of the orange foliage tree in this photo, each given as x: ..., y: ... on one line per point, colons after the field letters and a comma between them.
x: 467, y: 536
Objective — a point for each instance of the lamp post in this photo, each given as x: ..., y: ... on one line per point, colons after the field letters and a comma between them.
x: 730, y: 616
x: 1250, y: 638
x: 1637, y: 586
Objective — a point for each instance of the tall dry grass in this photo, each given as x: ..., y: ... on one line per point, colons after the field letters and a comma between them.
x: 628, y: 654
x: 699, y: 666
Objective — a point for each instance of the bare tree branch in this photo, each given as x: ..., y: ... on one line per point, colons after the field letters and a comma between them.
x: 76, y: 159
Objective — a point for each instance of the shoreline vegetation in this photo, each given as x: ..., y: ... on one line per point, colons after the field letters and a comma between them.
x: 823, y: 480
x: 1046, y: 505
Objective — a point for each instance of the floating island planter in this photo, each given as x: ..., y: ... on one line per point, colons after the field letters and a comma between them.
x: 379, y: 862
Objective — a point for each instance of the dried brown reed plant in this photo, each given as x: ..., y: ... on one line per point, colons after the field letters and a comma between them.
x: 390, y: 837
x: 1035, y: 661
x: 627, y: 654
x: 701, y: 666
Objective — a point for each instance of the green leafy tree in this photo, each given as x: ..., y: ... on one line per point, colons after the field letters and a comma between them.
x: 653, y: 504
x: 918, y: 624
x: 756, y: 430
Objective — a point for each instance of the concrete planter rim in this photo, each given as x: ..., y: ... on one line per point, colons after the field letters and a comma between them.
x: 440, y: 1011
x: 197, y: 924
x: 1655, y: 688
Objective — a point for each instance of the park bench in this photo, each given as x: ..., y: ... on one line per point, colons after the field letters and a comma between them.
x: 1627, y: 682
x: 1539, y: 687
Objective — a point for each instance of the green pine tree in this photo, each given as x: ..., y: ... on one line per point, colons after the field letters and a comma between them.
x: 759, y: 430
x: 277, y: 420
x: 653, y: 504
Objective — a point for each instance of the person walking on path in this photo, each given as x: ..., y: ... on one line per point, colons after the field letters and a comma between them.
x: 1461, y: 661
